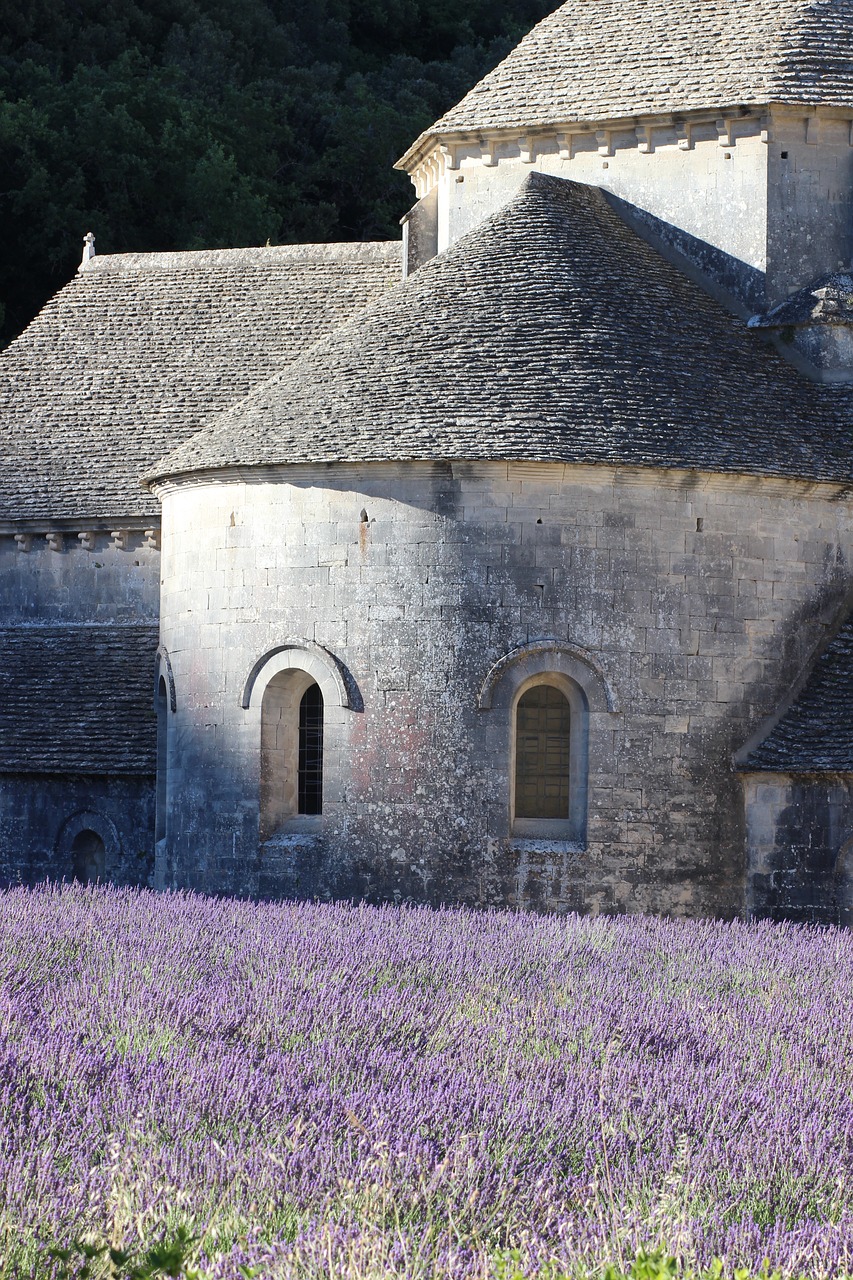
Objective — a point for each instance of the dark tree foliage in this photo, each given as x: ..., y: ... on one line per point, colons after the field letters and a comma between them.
x: 182, y: 124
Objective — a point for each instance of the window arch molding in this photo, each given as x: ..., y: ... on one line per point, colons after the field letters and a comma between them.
x: 543, y: 656
x: 336, y: 684
x: 580, y: 678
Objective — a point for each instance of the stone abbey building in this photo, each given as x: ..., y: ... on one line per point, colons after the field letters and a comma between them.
x: 507, y: 565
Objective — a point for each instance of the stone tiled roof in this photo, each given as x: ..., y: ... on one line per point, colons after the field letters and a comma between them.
x: 816, y: 733
x: 606, y: 59
x: 77, y: 699
x: 130, y: 356
x: 550, y: 332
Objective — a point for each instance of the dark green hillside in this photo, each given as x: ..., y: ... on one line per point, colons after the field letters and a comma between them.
x: 176, y: 124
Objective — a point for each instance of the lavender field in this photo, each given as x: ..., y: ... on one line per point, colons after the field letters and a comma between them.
x: 351, y: 1092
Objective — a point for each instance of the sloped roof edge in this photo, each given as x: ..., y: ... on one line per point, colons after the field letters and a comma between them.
x: 815, y: 733
x: 559, y: 334
x: 596, y: 60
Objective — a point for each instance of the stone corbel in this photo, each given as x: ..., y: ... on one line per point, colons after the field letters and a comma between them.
x: 766, y: 130
x: 451, y: 160
x: 55, y: 541
x: 487, y: 152
x: 604, y: 138
x: 527, y: 150
x: 564, y: 143
x: 432, y: 171
x: 152, y: 539
x: 120, y: 539
x: 725, y: 135
x: 644, y: 139
x: 24, y: 541
x: 684, y: 135
x: 87, y: 540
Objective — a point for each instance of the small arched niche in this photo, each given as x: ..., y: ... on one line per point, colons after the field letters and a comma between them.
x: 88, y: 857
x: 88, y: 847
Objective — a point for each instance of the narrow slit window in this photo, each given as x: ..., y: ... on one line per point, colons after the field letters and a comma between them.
x: 542, y: 754
x: 311, y: 751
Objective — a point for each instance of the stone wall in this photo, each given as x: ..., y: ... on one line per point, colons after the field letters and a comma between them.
x: 761, y: 203
x: 680, y: 605
x: 53, y: 576
x: 800, y: 846
x: 41, y: 817
x: 73, y: 575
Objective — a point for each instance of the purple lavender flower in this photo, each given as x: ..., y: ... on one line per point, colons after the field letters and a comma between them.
x: 404, y: 1092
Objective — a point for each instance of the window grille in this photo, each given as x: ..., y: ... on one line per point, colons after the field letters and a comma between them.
x: 311, y: 751
x: 542, y: 754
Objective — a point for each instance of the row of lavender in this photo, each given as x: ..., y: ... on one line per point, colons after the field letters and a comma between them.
x: 357, y: 1092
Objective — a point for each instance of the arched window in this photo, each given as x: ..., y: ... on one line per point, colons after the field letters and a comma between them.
x: 299, y: 699
x: 291, y: 750
x: 543, y: 735
x: 547, y: 733
x: 88, y: 854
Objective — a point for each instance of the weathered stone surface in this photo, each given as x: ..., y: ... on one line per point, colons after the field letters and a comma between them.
x: 666, y: 581
x: 800, y: 846
x: 42, y: 815
x: 549, y: 457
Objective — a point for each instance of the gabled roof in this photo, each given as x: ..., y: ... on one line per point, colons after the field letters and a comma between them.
x: 816, y: 734
x: 130, y: 356
x: 77, y: 699
x: 606, y: 59
x: 550, y: 332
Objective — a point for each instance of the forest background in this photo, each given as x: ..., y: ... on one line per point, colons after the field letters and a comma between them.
x: 189, y: 124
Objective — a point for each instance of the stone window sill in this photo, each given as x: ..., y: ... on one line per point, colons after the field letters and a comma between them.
x: 292, y: 829
x: 532, y: 844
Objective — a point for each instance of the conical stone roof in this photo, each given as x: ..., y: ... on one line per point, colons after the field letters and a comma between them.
x: 550, y: 332
x: 608, y: 59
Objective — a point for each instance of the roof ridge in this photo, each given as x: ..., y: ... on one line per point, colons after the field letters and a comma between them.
x: 339, y: 251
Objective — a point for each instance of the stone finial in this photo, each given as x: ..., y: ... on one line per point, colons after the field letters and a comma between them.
x: 818, y: 321
x: 88, y: 250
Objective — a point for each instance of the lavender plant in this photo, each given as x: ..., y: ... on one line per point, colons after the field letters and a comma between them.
x: 224, y: 1089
